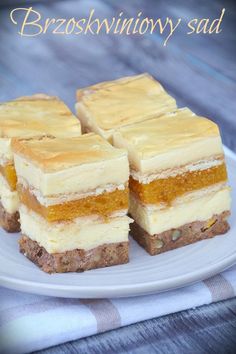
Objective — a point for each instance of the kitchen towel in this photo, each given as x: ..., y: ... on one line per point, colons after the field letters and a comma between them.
x: 30, y: 322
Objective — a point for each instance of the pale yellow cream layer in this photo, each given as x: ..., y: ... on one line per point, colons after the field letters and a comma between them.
x: 78, y: 165
x: 9, y: 199
x: 106, y: 106
x: 82, y: 233
x: 154, y: 220
x: 170, y: 141
x: 6, y: 155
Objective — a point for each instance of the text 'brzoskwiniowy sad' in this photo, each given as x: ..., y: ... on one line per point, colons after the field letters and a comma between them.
x: 31, y: 23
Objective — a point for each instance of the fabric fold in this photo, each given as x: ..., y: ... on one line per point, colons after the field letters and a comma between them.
x: 30, y: 322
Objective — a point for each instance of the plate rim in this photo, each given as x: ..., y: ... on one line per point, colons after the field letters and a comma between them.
x: 77, y: 291
x: 118, y: 291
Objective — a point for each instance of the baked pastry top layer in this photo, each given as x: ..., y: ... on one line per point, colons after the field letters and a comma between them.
x: 125, y: 101
x: 172, y: 140
x: 52, y: 155
x: 37, y: 115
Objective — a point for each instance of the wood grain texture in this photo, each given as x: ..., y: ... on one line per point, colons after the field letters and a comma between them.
x: 208, y: 329
x: 199, y: 71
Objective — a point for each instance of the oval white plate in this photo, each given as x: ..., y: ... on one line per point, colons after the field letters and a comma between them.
x: 143, y: 275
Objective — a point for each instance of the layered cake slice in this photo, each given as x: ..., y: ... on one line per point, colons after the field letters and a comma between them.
x: 73, y: 202
x: 36, y: 115
x: 178, y: 182
x: 104, y: 107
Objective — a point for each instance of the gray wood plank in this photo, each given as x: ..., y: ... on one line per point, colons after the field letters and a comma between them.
x: 197, y: 71
x: 200, y: 71
x: 207, y: 329
x: 206, y: 49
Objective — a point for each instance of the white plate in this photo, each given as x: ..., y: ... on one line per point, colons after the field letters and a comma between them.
x: 143, y: 275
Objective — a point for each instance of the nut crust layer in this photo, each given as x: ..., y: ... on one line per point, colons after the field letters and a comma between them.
x: 9, y: 222
x: 77, y: 260
x: 184, y: 235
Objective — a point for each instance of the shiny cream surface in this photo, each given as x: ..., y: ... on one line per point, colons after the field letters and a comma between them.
x: 170, y: 141
x: 76, y: 165
x: 106, y: 106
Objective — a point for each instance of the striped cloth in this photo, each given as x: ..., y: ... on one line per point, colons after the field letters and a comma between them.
x: 30, y: 322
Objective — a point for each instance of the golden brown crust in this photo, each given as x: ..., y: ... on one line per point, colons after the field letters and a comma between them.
x: 106, y: 85
x: 125, y: 101
x: 170, y: 132
x: 37, y: 115
x: 37, y: 97
x: 58, y: 154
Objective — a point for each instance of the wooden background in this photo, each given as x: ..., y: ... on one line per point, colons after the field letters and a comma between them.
x: 199, y: 71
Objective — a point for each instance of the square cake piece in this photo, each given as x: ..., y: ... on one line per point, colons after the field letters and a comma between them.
x: 104, y: 107
x: 36, y: 115
x: 73, y: 202
x: 178, y: 181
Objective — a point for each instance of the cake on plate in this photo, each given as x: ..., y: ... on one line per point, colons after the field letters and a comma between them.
x: 36, y: 115
x: 178, y: 183
x: 73, y: 202
x: 104, y: 107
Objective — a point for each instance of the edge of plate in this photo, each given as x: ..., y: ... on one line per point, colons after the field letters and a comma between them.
x: 77, y: 291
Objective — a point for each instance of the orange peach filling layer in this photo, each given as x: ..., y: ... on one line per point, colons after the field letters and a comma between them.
x: 168, y: 189
x: 9, y: 172
x: 103, y: 205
